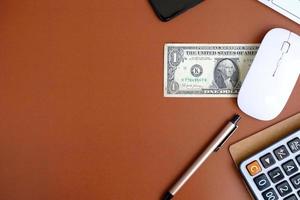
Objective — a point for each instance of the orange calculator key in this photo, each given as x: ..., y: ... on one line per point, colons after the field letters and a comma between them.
x: 253, y: 168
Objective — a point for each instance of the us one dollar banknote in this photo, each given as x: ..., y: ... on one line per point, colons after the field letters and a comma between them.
x: 206, y: 70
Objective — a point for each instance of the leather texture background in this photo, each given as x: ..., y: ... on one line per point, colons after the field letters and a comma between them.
x: 82, y: 112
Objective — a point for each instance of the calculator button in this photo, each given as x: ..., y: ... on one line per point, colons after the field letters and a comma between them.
x: 270, y: 194
x: 290, y: 167
x: 253, y: 168
x: 292, y: 197
x: 294, y: 145
x: 281, y: 153
x: 284, y: 188
x: 267, y: 160
x: 298, y: 159
x: 262, y: 182
x: 276, y: 175
x: 296, y: 181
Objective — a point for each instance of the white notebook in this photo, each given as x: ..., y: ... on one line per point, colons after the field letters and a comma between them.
x: 289, y: 8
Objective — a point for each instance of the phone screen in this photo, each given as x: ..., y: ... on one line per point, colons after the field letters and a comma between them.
x: 167, y: 9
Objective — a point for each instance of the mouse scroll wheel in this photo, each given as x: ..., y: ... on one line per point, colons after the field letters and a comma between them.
x: 285, y: 47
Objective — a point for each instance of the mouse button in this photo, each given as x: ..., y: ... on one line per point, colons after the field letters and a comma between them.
x: 295, y: 44
x: 277, y: 34
x: 285, y: 47
x: 292, y: 58
x: 294, y: 38
x: 269, y: 51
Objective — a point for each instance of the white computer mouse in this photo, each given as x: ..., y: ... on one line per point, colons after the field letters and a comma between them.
x: 272, y: 75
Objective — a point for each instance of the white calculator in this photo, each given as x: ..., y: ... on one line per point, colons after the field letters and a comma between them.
x: 274, y: 172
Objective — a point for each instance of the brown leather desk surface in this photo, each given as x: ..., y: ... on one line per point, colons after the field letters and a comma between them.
x: 82, y: 112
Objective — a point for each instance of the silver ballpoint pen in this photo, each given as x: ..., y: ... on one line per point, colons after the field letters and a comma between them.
x: 214, y: 146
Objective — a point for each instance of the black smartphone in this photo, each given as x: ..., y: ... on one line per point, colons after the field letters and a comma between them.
x: 167, y: 9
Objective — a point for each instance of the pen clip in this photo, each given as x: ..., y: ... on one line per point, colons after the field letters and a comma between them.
x: 226, y: 138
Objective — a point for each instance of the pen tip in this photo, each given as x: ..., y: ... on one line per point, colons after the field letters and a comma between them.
x: 235, y: 119
x: 168, y: 196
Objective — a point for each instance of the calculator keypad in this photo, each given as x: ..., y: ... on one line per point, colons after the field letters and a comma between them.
x: 295, y: 180
x: 270, y: 194
x: 284, y: 188
x: 290, y: 167
x: 254, y: 168
x: 262, y: 182
x: 294, y: 145
x: 281, y: 152
x: 267, y: 160
x: 292, y: 197
x: 274, y: 173
x: 298, y: 159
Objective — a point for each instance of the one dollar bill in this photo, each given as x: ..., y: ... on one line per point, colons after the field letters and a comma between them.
x: 206, y: 70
